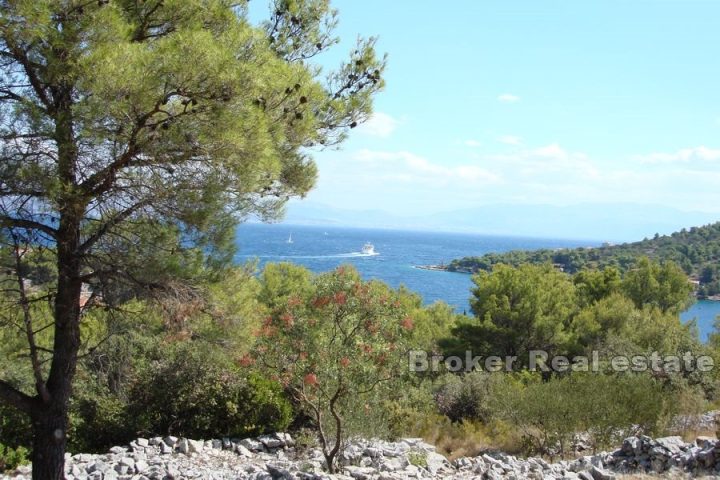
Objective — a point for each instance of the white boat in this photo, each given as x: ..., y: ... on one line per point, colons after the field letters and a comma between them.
x: 368, y: 249
x: 290, y: 240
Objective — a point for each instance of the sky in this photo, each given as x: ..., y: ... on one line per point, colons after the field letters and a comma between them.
x: 534, y: 103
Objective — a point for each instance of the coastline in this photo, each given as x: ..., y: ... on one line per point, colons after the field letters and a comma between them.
x: 442, y: 268
x: 437, y: 268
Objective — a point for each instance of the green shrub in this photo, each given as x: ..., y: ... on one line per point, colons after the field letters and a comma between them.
x: 465, y: 397
x: 550, y: 413
x: 98, y: 420
x: 15, y: 427
x: 266, y: 407
x: 196, y: 391
x: 11, y: 458
x: 418, y: 458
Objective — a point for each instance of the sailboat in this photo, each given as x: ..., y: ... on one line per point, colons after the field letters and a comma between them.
x: 290, y: 240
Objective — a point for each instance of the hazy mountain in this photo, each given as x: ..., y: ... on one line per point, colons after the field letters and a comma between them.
x: 611, y: 222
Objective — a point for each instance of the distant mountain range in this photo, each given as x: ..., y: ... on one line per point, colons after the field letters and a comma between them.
x: 600, y: 222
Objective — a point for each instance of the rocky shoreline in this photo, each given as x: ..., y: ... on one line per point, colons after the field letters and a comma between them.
x: 276, y: 457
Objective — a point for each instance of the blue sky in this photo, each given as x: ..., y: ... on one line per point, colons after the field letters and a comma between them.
x: 533, y: 102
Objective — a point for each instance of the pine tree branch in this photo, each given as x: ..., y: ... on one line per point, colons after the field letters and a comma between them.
x: 11, y: 222
x: 15, y: 398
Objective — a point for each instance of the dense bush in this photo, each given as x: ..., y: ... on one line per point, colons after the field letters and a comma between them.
x: 11, y: 458
x: 151, y: 384
x: 98, y: 419
x: 196, y: 391
x: 335, y: 345
x: 15, y: 428
x: 466, y: 397
x: 550, y: 413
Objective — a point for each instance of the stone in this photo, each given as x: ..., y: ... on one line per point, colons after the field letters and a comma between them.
x: 436, y: 462
x: 279, y: 473
x: 599, y: 474
x: 110, y: 475
x: 372, y: 452
x: 393, y: 464
x: 242, y: 451
x: 705, y: 442
x: 377, y: 460
x: 170, y: 441
x: 252, y: 444
x: 360, y: 473
x: 286, y: 439
x: 195, y: 446
x: 96, y: 467
x: 631, y: 446
x: 182, y: 446
x: 272, y: 441
x: 141, y: 466
x: 673, y: 444
x: 657, y: 465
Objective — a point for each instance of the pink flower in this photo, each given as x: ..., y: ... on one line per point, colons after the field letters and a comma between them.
x: 310, y: 379
x: 340, y: 298
x: 288, y: 320
x: 246, y: 360
x: 320, y: 302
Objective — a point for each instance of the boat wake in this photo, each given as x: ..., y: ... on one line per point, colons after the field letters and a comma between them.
x: 337, y: 255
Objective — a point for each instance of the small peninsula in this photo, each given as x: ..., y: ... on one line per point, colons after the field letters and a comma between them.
x: 696, y: 250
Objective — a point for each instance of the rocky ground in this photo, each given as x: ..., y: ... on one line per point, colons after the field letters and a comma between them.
x: 275, y: 457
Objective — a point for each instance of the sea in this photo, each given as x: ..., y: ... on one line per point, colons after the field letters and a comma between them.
x: 399, y: 253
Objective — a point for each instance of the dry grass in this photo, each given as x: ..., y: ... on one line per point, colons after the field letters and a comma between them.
x: 691, y: 435
x: 466, y: 439
x: 456, y: 440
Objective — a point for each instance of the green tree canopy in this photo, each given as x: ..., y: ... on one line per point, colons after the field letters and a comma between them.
x: 517, y: 310
x: 662, y: 285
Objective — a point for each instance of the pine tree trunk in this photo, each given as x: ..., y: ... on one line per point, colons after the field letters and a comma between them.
x: 50, y: 419
x: 49, y: 442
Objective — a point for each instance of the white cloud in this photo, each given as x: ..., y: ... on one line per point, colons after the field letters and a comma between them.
x: 544, y: 174
x: 549, y: 163
x: 472, y: 143
x: 510, y: 140
x: 552, y: 150
x: 699, y: 154
x: 379, y: 125
x: 408, y: 167
x: 508, y: 98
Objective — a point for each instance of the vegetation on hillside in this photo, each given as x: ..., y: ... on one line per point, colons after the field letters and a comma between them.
x: 135, y: 136
x: 287, y: 349
x: 696, y: 250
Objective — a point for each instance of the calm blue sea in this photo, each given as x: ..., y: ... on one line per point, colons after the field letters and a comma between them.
x: 398, y: 252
